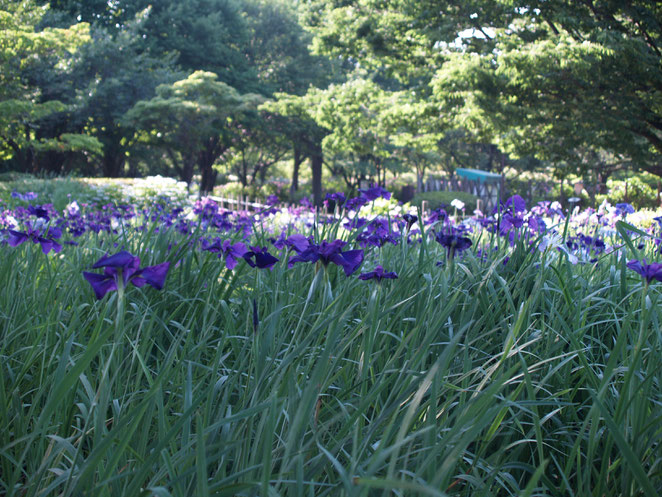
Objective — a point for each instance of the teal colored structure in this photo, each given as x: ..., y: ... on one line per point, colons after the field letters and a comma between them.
x: 479, y: 176
x: 485, y: 185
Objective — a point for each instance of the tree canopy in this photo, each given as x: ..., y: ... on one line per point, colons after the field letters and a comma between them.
x: 363, y: 87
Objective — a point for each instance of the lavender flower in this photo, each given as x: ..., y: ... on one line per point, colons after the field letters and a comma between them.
x: 26, y: 197
x: 623, y: 209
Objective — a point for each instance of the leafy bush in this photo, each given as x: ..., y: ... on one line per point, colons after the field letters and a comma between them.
x: 441, y: 199
x: 56, y: 191
x: 638, y: 192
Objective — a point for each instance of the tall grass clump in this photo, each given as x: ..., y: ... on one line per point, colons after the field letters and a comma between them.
x: 504, y: 369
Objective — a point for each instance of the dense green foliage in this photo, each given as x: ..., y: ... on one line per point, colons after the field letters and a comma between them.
x: 512, y: 373
x: 436, y: 200
x: 362, y: 90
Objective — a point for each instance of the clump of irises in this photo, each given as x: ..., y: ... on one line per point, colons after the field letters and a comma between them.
x: 47, y: 238
x: 327, y: 252
x: 228, y: 234
x: 121, y: 269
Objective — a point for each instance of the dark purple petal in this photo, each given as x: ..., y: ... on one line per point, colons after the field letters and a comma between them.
x: 101, y: 284
x: 410, y: 219
x: 16, y: 238
x: 374, y: 193
x: 214, y: 248
x: 235, y: 250
x: 453, y: 242
x: 354, y: 204
x: 309, y: 255
x: 260, y: 258
x: 122, y: 259
x: 154, y: 275
x: 46, y: 244
x: 648, y: 271
x: 516, y: 203
x: 349, y: 260
x: 39, y: 212
x: 338, y: 197
x: 297, y: 242
x: 378, y: 274
x: 328, y: 249
x: 264, y: 260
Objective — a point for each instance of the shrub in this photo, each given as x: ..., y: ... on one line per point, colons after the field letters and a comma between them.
x: 444, y: 198
x: 638, y: 193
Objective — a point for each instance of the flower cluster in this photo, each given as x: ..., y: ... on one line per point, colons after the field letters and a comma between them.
x: 121, y: 269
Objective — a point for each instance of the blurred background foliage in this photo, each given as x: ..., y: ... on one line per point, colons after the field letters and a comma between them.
x: 298, y: 98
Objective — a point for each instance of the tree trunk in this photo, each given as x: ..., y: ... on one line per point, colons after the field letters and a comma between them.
x: 208, y: 180
x: 316, y: 161
x: 298, y: 159
x: 112, y: 163
x: 420, y: 171
x: 53, y: 161
x: 206, y: 159
x: 186, y: 171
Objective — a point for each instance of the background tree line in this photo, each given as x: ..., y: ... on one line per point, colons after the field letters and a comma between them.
x: 363, y: 90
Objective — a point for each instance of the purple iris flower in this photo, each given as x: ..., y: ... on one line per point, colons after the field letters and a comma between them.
x: 47, y: 240
x: 355, y: 223
x: 410, y: 219
x: 259, y: 257
x: 297, y: 242
x: 453, y: 243
x: 354, y: 204
x: 232, y: 252
x: 659, y: 221
x: 377, y: 233
x: 24, y: 196
x: 378, y: 274
x: 437, y: 215
x: 327, y: 252
x: 338, y: 197
x: 515, y: 204
x: 623, y: 209
x: 374, y: 193
x: 39, y: 212
x: 121, y: 269
x: 592, y: 243
x: 649, y: 272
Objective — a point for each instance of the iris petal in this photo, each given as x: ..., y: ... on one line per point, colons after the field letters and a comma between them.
x: 101, y: 284
x: 154, y: 275
x: 121, y: 259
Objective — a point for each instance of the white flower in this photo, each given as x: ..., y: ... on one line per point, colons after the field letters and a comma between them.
x: 11, y: 221
x: 72, y: 209
x: 555, y: 241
